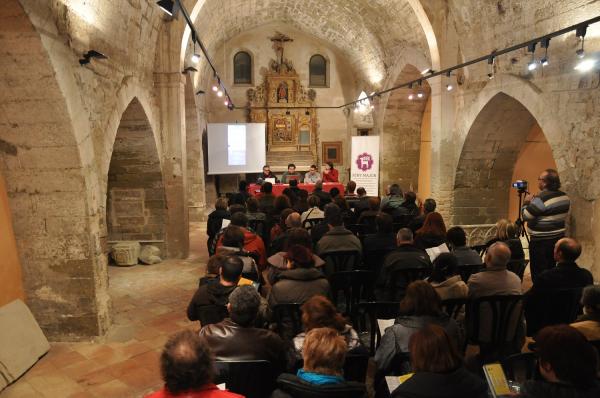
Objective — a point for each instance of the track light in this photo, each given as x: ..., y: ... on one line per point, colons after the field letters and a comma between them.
x: 189, y: 69
x: 532, y: 65
x: 169, y: 7
x: 87, y: 57
x: 491, y: 64
x: 545, y: 43
x: 199, y: 92
x: 411, y: 95
x: 449, y: 86
x: 215, y: 88
x: 230, y: 106
x: 219, y: 93
x: 420, y: 93
x: 586, y: 64
x: 195, y: 58
x: 226, y: 102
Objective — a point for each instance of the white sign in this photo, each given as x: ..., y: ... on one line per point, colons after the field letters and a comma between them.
x: 365, y: 163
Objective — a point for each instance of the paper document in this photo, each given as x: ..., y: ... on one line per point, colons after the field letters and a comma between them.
x: 496, y: 379
x: 433, y: 252
x: 225, y: 223
x: 384, y: 324
x: 394, y: 381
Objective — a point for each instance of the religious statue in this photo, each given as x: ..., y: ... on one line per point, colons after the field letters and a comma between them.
x: 282, y: 92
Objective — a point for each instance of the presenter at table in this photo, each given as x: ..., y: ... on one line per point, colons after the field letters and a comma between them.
x: 312, y: 176
x: 290, y: 174
x: 266, y: 173
x: 329, y: 173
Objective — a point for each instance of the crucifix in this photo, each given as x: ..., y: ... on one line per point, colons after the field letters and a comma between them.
x: 278, y: 40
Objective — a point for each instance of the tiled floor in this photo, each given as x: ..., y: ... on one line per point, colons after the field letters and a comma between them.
x: 149, y: 304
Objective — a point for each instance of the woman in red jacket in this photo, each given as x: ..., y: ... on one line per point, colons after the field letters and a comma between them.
x: 330, y: 174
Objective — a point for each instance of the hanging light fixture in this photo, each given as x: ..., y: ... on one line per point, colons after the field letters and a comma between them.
x: 420, y: 92
x: 449, y: 86
x: 532, y: 65
x: 411, y: 95
x: 586, y: 64
x: 545, y: 43
x: 491, y: 69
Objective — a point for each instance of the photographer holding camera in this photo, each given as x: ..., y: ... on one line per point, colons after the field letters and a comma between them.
x: 545, y: 214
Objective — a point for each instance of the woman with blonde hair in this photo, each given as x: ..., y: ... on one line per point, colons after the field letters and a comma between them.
x: 506, y: 231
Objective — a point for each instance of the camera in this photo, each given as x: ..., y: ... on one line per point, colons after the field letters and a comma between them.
x: 520, y: 185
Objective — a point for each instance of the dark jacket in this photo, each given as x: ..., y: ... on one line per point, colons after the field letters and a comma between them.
x: 208, y: 305
x: 232, y: 342
x: 298, y: 285
x: 266, y: 203
x: 360, y: 204
x: 456, y: 384
x: 515, y: 246
x: 411, y: 208
x: 427, y: 240
x: 544, y: 389
x: 214, y: 222
x: 291, y: 386
x: 564, y: 276
x: 466, y: 256
x: 239, y: 198
x: 379, y: 241
x: 417, y: 222
x: 338, y: 239
x: 405, y: 256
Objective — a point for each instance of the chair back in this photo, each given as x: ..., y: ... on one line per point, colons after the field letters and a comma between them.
x: 455, y: 307
x: 348, y: 288
x: 596, y: 344
x: 517, y: 266
x: 289, y: 386
x: 309, y: 223
x: 252, y: 379
x: 479, y: 248
x: 259, y: 227
x: 520, y: 367
x: 211, y: 313
x: 368, y: 314
x: 400, y: 278
x: 402, y: 221
x: 356, y: 366
x: 368, y: 225
x: 288, y: 318
x: 465, y: 271
x: 373, y: 259
x: 340, y: 261
x: 551, y: 307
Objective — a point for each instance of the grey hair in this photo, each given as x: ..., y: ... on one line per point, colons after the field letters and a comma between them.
x: 404, y: 234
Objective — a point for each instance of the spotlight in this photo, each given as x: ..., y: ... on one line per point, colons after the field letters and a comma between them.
x: 532, y: 65
x: 200, y: 92
x: 490, y: 76
x: 544, y: 61
x: 215, y: 88
x: 219, y: 93
x: 169, y: 7
x: 545, y: 43
x: 372, y: 106
x: 226, y: 102
x: 585, y: 65
x: 355, y: 110
x: 411, y: 96
x: 580, y: 53
x: 196, y: 58
x: 449, y: 87
x: 491, y: 63
x: 426, y: 71
x: 230, y: 106
x: 420, y: 94
x: 189, y: 69
x: 87, y: 57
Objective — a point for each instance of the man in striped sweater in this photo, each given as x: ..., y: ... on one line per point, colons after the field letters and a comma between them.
x: 545, y: 214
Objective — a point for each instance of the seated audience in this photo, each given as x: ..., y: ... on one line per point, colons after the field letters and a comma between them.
x: 334, y: 192
x: 241, y: 196
x: 186, y: 365
x: 324, y: 197
x: 291, y: 195
x: 252, y: 210
x: 236, y: 338
x: 252, y: 242
x: 445, y: 279
x: 337, y: 238
x: 213, y: 269
x: 410, y: 203
x: 209, y: 301
x: 215, y: 219
x: 589, y: 322
x: 384, y: 238
x: 312, y: 176
x: 318, y: 231
x: 233, y: 244
x: 349, y: 193
x: 318, y: 312
x: 347, y: 215
x: 314, y: 211
x: 406, y: 255
x: 281, y: 203
x: 438, y: 369
x: 266, y: 200
x: 566, y: 274
x: 421, y: 306
x: 324, y: 354
x: 567, y: 363
x: 279, y: 242
x: 506, y: 232
x: 432, y: 233
x: 361, y: 203
x: 458, y: 244
x: 280, y: 227
x: 428, y: 207
x: 300, y: 281
x: 495, y: 279
x: 302, y: 204
x: 393, y: 199
x: 367, y: 217
x: 278, y: 261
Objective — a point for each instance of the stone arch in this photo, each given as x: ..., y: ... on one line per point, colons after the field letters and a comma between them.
x: 487, y: 159
x: 46, y: 158
x: 401, y: 131
x: 135, y: 190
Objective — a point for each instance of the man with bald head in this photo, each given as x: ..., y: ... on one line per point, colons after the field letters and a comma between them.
x: 495, y: 279
x: 566, y: 274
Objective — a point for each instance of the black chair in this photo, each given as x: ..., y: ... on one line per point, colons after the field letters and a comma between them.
x: 288, y: 318
x: 309, y: 223
x: 400, y: 278
x: 551, y: 307
x: 596, y: 344
x: 517, y: 266
x: 356, y: 366
x: 373, y: 259
x: 252, y: 379
x: 465, y: 271
x: 259, y: 227
x: 348, y: 288
x: 356, y: 229
x: 520, y: 367
x: 455, y: 307
x: 369, y: 313
x: 479, y: 248
x: 340, y: 261
x: 368, y: 225
x: 291, y: 386
x: 495, y: 324
x: 403, y: 220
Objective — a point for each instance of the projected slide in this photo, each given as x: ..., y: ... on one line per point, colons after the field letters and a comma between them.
x: 236, y: 145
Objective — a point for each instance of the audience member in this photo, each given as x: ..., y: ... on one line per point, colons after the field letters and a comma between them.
x: 566, y: 274
x: 252, y: 210
x: 186, y: 365
x: 337, y: 238
x: 291, y: 221
x: 236, y: 338
x: 384, y: 238
x: 331, y: 211
x: 445, y: 279
x: 428, y: 207
x: 324, y: 197
x: 266, y: 199
x: 281, y: 226
x: 324, y: 354
x: 432, y: 233
x: 312, y: 176
x: 361, y: 203
x: 300, y: 281
x: 438, y: 369
x: 410, y: 203
x: 589, y: 322
x: 334, y: 192
x: 495, y: 279
x: 302, y: 204
x: 209, y: 301
x: 252, y: 242
x: 545, y: 215
x: 295, y: 190
x: 393, y: 199
x: 371, y: 212
x: 213, y: 268
x: 291, y: 195
x: 349, y: 193
x: 233, y: 244
x: 567, y: 363
x: 458, y: 244
x: 314, y: 211
x: 329, y: 173
x: 318, y: 312
x: 281, y: 203
x: 348, y: 215
x: 241, y: 196
x: 506, y: 232
x: 278, y: 261
x: 421, y: 306
x: 215, y: 219
x: 406, y: 255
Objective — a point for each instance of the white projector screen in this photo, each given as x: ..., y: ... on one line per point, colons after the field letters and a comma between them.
x: 235, y: 148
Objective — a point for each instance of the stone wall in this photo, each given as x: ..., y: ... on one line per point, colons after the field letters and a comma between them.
x: 194, y: 126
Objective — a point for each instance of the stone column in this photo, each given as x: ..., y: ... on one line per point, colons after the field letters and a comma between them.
x: 171, y: 100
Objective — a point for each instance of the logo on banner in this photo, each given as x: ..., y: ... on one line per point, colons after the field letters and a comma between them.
x: 364, y: 161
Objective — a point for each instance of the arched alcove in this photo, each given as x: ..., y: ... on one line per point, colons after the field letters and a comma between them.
x: 496, y: 142
x: 135, y: 193
x: 401, y: 138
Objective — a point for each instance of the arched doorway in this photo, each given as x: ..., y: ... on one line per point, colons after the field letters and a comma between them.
x: 401, y: 138
x: 135, y: 193
x: 504, y: 143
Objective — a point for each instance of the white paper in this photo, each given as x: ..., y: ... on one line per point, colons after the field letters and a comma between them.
x: 433, y: 252
x: 271, y: 180
x: 384, y: 324
x: 225, y: 223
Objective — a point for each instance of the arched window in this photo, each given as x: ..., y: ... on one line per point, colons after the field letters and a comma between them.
x: 318, y: 71
x: 242, y: 68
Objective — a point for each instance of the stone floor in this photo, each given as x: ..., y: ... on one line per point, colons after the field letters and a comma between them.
x: 149, y: 303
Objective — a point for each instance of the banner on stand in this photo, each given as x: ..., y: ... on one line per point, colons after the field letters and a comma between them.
x: 365, y: 163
